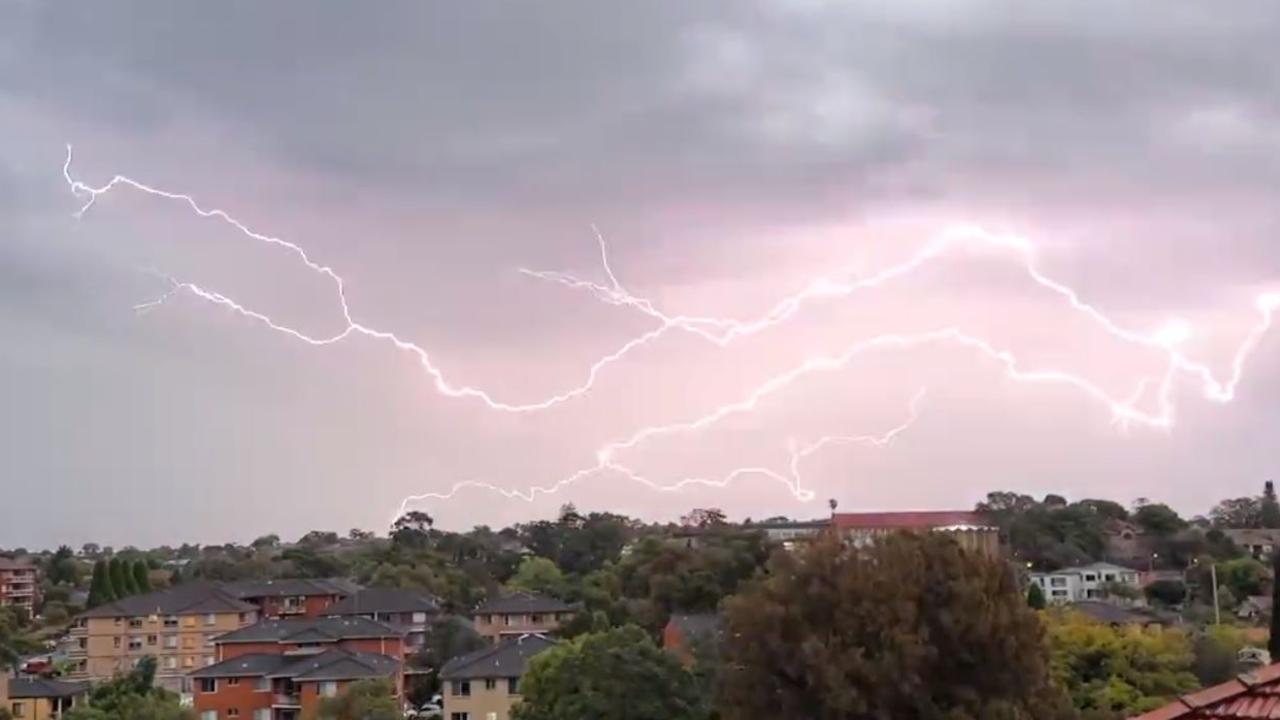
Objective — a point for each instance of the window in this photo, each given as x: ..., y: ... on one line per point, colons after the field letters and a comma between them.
x: 117, y: 621
x: 459, y: 716
x: 513, y: 686
x: 535, y: 619
x: 1090, y: 577
x: 1110, y: 577
x: 115, y: 642
x: 209, y: 715
x: 233, y: 712
x: 170, y: 621
x: 171, y: 642
x: 210, y: 619
x: 152, y: 639
x: 262, y: 714
x: 208, y: 685
x: 189, y: 621
x: 135, y: 622
x: 1059, y: 593
x: 491, y: 716
x: 135, y: 643
x: 171, y: 663
x: 419, y: 618
x: 19, y: 710
x: 506, y: 620
x: 188, y: 642
x: 262, y: 685
x: 233, y: 681
x: 462, y: 688
x: 1058, y: 582
x: 328, y: 689
x: 208, y: 639
x: 188, y: 661
x: 490, y: 683
x: 209, y: 660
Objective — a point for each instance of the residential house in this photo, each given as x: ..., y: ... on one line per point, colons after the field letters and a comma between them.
x: 39, y: 699
x: 970, y: 529
x: 519, y: 614
x: 1256, y: 608
x: 1258, y: 542
x: 176, y: 625
x: 411, y: 611
x: 1114, y: 615
x: 792, y: 532
x: 483, y: 685
x: 291, y: 597
x: 285, y: 686
x: 19, y: 584
x: 1253, y: 695
x: 683, y: 634
x: 279, y: 668
x: 1083, y: 583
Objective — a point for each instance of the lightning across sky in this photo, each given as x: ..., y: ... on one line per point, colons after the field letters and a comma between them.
x: 1151, y: 404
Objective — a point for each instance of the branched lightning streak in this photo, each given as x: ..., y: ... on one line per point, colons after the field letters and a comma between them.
x: 723, y: 331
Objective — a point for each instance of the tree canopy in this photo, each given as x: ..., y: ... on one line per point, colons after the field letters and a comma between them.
x: 363, y: 700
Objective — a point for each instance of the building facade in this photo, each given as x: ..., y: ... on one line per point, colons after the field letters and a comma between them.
x: 39, y: 699
x: 292, y: 597
x: 177, y: 626
x: 970, y: 529
x: 483, y: 685
x: 410, y: 611
x: 1089, y: 582
x: 19, y: 584
x: 520, y: 614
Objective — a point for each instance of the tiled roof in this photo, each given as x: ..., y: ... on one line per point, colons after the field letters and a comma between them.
x: 251, y: 665
x: 339, y: 665
x: 507, y: 659
x: 917, y: 520
x: 384, y: 600
x: 290, y: 587
x: 522, y: 603
x: 196, y: 598
x: 1248, y: 697
x: 20, y: 689
x: 11, y: 564
x: 310, y: 630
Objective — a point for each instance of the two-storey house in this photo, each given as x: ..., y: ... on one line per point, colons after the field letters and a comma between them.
x: 1090, y: 582
x: 39, y: 699
x: 483, y: 685
x: 520, y: 614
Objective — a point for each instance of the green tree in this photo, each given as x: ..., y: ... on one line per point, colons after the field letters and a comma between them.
x: 1118, y: 671
x: 363, y: 700
x: 910, y: 627
x: 538, y: 575
x: 100, y: 589
x: 1245, y: 512
x: 619, y: 674
x: 121, y: 579
x: 132, y: 697
x: 62, y: 567
x: 1035, y: 597
x: 1270, y: 509
x: 1166, y: 592
x: 1216, y: 649
x: 1158, y: 519
x: 1244, y: 576
x: 141, y: 576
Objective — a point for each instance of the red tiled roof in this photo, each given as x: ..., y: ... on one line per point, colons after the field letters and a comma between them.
x: 920, y: 520
x: 1255, y: 697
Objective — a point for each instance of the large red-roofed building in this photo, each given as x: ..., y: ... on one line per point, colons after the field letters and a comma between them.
x: 969, y: 528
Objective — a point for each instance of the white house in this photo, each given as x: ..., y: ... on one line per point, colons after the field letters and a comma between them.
x: 1083, y: 583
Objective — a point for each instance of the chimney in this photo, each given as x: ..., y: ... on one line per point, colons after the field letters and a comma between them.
x: 1251, y: 660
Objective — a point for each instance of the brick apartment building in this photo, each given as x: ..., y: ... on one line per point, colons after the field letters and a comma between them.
x: 519, y: 614
x: 292, y: 597
x: 19, y: 584
x: 280, y: 669
x: 411, y: 611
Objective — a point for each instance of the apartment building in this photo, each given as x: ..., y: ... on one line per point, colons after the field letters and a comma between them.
x: 19, y: 584
x: 519, y: 614
x: 410, y: 611
x: 39, y: 699
x: 970, y: 529
x: 483, y: 685
x: 281, y: 668
x: 175, y: 625
x: 292, y: 597
x: 1090, y: 582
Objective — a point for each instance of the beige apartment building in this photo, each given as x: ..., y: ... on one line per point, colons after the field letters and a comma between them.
x: 519, y: 614
x: 483, y: 685
x: 177, y: 626
x: 19, y: 584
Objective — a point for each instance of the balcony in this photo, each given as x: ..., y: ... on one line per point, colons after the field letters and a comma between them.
x: 287, y: 701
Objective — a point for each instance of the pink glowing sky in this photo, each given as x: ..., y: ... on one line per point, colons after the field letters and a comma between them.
x: 730, y: 152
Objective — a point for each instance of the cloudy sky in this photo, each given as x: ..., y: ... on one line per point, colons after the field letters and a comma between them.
x: 729, y: 152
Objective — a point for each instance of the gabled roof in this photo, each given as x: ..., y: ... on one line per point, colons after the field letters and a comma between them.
x: 915, y: 520
x: 1091, y: 567
x: 310, y: 630
x: 195, y: 598
x: 251, y: 665
x: 507, y: 659
x: 21, y: 689
x: 290, y: 587
x: 339, y: 665
x: 1248, y: 697
x: 11, y: 564
x: 522, y: 603
x: 384, y: 600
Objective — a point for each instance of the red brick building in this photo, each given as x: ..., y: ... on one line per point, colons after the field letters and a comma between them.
x: 292, y: 597
x: 19, y: 584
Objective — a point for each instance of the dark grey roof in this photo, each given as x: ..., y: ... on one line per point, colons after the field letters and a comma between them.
x: 700, y: 625
x: 290, y: 587
x: 507, y: 659
x: 339, y: 665
x: 195, y: 598
x: 22, y: 688
x: 1116, y: 615
x: 522, y: 603
x: 384, y: 600
x: 310, y: 630
x: 252, y: 665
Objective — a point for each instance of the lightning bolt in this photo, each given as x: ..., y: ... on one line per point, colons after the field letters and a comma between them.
x: 723, y: 331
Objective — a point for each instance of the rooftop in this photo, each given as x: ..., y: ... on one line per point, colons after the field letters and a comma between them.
x: 195, y: 598
x: 507, y: 659
x: 333, y: 664
x: 310, y: 630
x: 519, y: 603
x: 1115, y: 615
x: 1248, y: 697
x: 11, y: 564
x: 384, y: 600
x: 914, y: 520
x: 290, y: 587
x: 20, y: 688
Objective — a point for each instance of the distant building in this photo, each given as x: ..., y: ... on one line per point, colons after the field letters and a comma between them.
x: 1256, y: 608
x: 176, y: 625
x: 970, y: 529
x: 520, y: 614
x: 793, y: 532
x: 1115, y: 615
x: 19, y: 584
x: 1258, y: 542
x: 296, y: 636
x: 39, y: 699
x: 1071, y: 585
x: 291, y: 597
x: 408, y: 610
x: 483, y: 685
x: 684, y: 633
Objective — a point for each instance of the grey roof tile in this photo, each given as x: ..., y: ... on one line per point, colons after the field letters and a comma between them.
x: 507, y: 659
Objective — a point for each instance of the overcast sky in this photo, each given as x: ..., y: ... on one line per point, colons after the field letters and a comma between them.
x: 730, y: 152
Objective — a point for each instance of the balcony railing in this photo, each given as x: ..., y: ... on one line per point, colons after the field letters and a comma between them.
x: 284, y: 700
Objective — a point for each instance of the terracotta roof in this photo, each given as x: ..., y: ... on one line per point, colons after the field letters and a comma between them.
x: 916, y: 520
x: 1248, y: 697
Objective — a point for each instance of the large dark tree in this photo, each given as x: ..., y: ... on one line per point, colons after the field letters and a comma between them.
x: 911, y: 627
x: 141, y: 577
x: 619, y: 674
x: 1273, y: 643
x: 1269, y: 509
x: 100, y: 589
x: 116, y: 576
